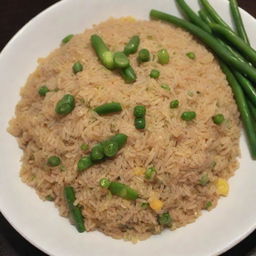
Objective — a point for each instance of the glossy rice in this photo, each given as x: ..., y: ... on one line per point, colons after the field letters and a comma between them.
x: 180, y: 151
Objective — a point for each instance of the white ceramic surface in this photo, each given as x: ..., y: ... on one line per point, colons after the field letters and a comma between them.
x: 38, y: 221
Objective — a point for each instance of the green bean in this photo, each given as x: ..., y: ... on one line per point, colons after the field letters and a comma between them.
x: 53, y: 161
x: 43, y: 90
x: 110, y: 148
x: 253, y: 110
x: 188, y: 115
x: 65, y: 105
x: 192, y: 16
x: 238, y: 21
x: 154, y: 73
x: 132, y: 45
x: 244, y: 82
x: 208, y: 40
x: 205, y: 17
x: 165, y: 219
x: 139, y: 111
x: 174, y: 104
x: 102, y: 51
x: 243, y: 108
x: 214, y: 15
x: 163, y: 56
x: 75, y: 211
x: 108, y: 108
x: 122, y: 190
x: 67, y: 38
x: 97, y: 153
x: 121, y: 60
x: 140, y: 123
x: 247, y: 86
x: 144, y: 55
x: 84, y: 163
x: 129, y: 75
x: 150, y: 173
x: 236, y: 41
x: 218, y: 119
x: 191, y: 55
x: 105, y: 183
x: 77, y: 67
x: 204, y: 180
x: 121, y: 139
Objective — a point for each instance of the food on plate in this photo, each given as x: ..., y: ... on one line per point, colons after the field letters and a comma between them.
x: 129, y: 128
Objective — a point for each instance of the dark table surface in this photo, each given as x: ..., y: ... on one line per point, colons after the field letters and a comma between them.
x: 13, y: 15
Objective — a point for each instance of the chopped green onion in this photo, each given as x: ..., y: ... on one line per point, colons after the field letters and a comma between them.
x: 144, y: 205
x: 139, y: 111
x: 204, y: 179
x: 208, y: 204
x: 53, y: 161
x: 150, y: 173
x: 84, y: 163
x: 140, y: 122
x: 49, y: 198
x: 174, y: 104
x: 165, y: 87
x: 191, y: 55
x: 188, y: 116
x: 43, y: 90
x: 84, y: 147
x: 67, y: 38
x: 105, y: 183
x: 165, y: 219
x: 144, y: 55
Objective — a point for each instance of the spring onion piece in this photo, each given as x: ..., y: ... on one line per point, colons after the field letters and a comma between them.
x: 150, y: 173
x: 102, y: 51
x: 105, y: 183
x: 174, y: 104
x: 84, y: 147
x: 108, y: 108
x: 208, y: 204
x: 67, y: 38
x: 49, y: 198
x: 165, y: 87
x: 165, y: 219
x: 144, y: 205
x: 204, y: 179
x: 191, y: 55
x: 75, y: 211
x: 120, y: 138
x: 132, y: 45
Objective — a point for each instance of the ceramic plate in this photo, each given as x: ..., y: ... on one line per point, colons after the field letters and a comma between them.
x: 39, y: 222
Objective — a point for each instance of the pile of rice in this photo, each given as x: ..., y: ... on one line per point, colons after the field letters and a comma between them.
x: 180, y: 151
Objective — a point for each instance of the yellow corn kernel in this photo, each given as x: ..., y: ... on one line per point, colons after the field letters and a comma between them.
x: 222, y: 187
x: 139, y: 171
x: 156, y: 204
x: 129, y: 19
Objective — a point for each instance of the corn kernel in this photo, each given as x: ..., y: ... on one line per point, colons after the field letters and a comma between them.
x: 139, y: 171
x: 222, y: 187
x: 156, y: 204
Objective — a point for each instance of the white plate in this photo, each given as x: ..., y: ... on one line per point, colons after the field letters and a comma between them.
x: 39, y: 222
